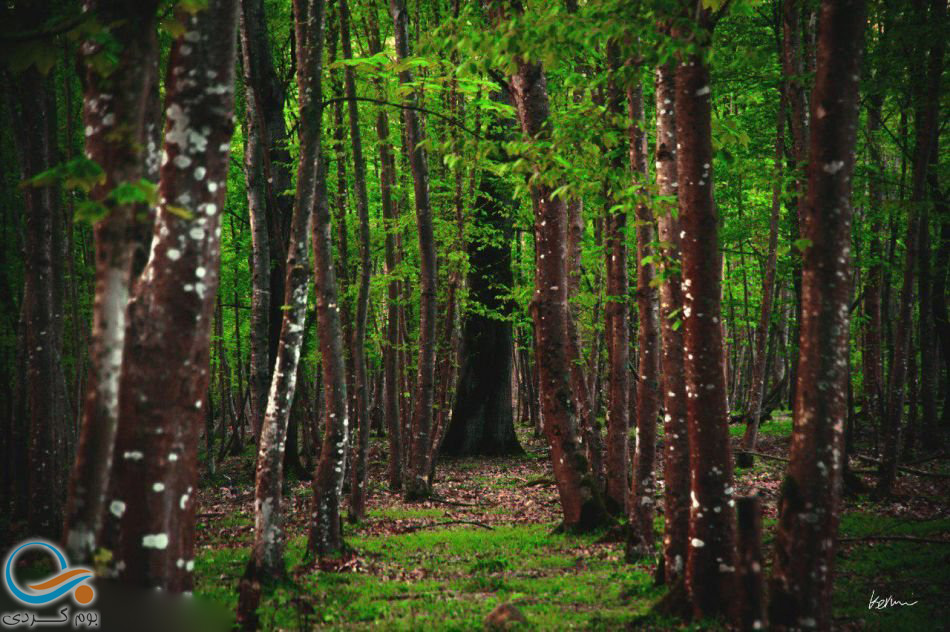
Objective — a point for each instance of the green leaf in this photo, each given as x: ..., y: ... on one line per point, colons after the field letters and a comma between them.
x: 90, y: 211
x: 802, y: 244
x: 179, y: 211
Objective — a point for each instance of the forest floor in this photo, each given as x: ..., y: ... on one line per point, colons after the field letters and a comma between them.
x: 445, y: 564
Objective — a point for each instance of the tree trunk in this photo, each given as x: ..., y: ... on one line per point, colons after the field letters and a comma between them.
x: 873, y: 362
x: 48, y: 418
x: 710, y: 563
x: 122, y: 157
x: 357, y: 488
x: 417, y: 485
x: 616, y: 320
x: 757, y: 385
x: 267, y: 550
x: 482, y: 422
x: 257, y: 204
x: 648, y: 403
x: 926, y: 121
x: 675, y: 435
x: 802, y: 572
x: 579, y: 493
x: 171, y: 312
x: 391, y: 390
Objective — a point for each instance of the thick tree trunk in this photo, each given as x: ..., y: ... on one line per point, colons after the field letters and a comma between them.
x: 809, y: 505
x: 482, y: 421
x: 672, y: 372
x: 171, y: 312
x: 116, y: 102
x: 926, y: 121
x: 357, y: 488
x: 417, y: 485
x: 757, y: 385
x: 710, y: 563
x: 648, y: 396
x: 579, y: 493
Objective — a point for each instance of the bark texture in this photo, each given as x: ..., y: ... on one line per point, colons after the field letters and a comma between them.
x: 170, y: 314
x: 117, y: 102
x: 804, y: 560
x: 710, y: 563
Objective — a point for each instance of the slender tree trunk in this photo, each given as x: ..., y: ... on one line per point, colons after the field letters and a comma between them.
x: 616, y: 312
x: 809, y: 506
x: 391, y: 354
x: 357, y: 488
x: 267, y: 550
x: 579, y: 493
x: 417, y: 485
x: 873, y: 362
x: 648, y: 396
x: 926, y: 121
x: 710, y: 563
x: 257, y: 206
x: 170, y: 314
x: 757, y: 385
x: 675, y: 435
x: 122, y: 157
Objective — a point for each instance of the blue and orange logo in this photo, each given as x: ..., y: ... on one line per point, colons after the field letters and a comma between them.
x: 65, y: 581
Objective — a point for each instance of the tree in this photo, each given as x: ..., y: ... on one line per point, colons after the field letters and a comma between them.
x: 808, y: 508
x: 357, y: 353
x: 672, y: 383
x: 710, y: 562
x: 616, y: 322
x: 644, y: 478
x: 579, y: 493
x: 757, y: 382
x: 927, y: 98
x: 116, y: 100
x: 417, y: 484
x: 160, y: 411
x: 34, y: 115
x: 482, y: 421
x: 267, y: 550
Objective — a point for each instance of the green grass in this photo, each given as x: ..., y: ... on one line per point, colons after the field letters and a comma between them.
x: 909, y: 571
x: 449, y: 579
x: 779, y: 426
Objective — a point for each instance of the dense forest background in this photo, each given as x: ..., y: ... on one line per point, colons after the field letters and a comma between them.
x: 635, y: 255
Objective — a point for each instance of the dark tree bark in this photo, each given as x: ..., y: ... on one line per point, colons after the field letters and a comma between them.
x: 580, y: 496
x: 710, y: 563
x: 616, y: 311
x: 267, y: 550
x: 803, y: 568
x: 926, y: 121
x: 122, y: 157
x: 672, y: 372
x: 170, y: 314
x: 941, y: 316
x: 753, y: 614
x: 417, y: 484
x: 648, y: 368
x: 757, y: 382
x: 357, y: 488
x: 482, y: 421
x: 47, y: 416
